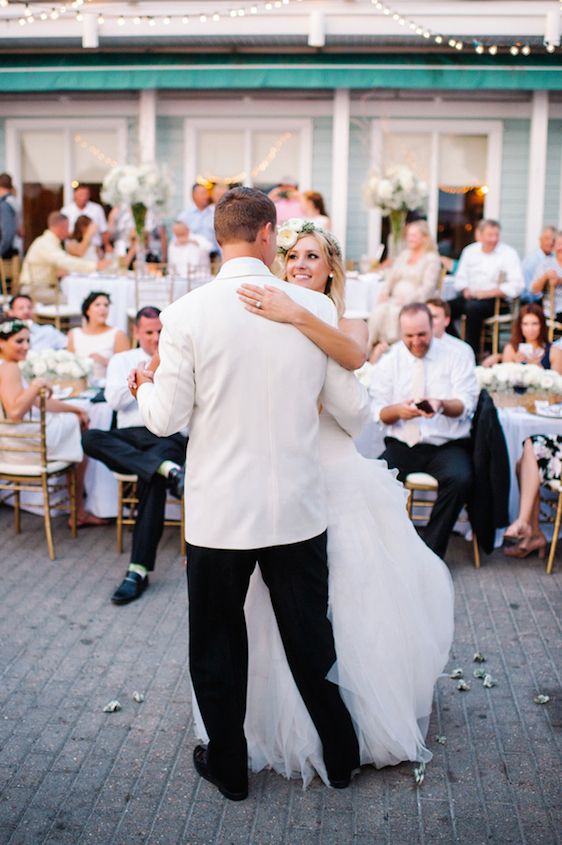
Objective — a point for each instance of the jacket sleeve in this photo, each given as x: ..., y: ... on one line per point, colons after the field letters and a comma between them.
x: 345, y: 398
x: 166, y: 405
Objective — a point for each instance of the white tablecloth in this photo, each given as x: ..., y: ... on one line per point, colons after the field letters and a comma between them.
x: 518, y: 424
x: 120, y: 288
x: 361, y: 293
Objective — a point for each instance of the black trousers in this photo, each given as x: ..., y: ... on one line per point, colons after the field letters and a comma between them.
x: 297, y: 578
x: 137, y: 450
x: 451, y: 465
x: 476, y: 310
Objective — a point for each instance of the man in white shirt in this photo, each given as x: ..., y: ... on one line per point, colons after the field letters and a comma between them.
x: 440, y: 311
x: 46, y: 257
x: 83, y: 205
x: 42, y: 336
x: 188, y: 252
x: 425, y: 394
x: 548, y: 278
x: 487, y: 269
x: 132, y: 448
x: 533, y: 262
x: 200, y: 214
x: 250, y: 389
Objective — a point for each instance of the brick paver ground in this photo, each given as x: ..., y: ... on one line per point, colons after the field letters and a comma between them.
x: 72, y: 774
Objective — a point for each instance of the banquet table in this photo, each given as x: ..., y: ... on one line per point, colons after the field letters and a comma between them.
x: 361, y: 293
x: 518, y: 424
x: 121, y: 290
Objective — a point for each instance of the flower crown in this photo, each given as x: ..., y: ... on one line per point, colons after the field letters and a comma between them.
x: 9, y: 327
x: 288, y: 234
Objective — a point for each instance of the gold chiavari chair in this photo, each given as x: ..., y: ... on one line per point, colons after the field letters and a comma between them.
x: 150, y: 290
x: 127, y: 502
x: 42, y: 476
x: 554, y: 327
x: 43, y: 286
x: 496, y: 322
x: 551, y: 511
x: 9, y: 277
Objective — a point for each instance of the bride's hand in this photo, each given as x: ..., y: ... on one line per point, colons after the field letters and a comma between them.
x: 269, y: 302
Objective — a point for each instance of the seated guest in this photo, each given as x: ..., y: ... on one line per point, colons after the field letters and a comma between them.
x: 64, y: 420
x: 440, y: 311
x: 41, y: 336
x: 313, y: 208
x: 199, y: 216
x: 81, y: 241
x: 540, y: 462
x: 46, y: 257
x: 8, y: 218
x: 413, y: 277
x: 132, y: 448
x: 96, y: 339
x: 533, y: 262
x: 529, y: 342
x: 433, y: 435
x: 83, y: 205
x: 487, y: 269
x: 188, y: 250
x: 550, y: 274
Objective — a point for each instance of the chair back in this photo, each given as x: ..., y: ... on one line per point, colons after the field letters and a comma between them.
x: 10, y: 272
x: 42, y: 283
x: 25, y: 437
x: 154, y: 290
x: 197, y: 275
x: 553, y: 326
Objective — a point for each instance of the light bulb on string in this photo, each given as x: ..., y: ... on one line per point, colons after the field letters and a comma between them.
x: 101, y: 19
x: 438, y: 39
x: 526, y: 50
x: 514, y: 50
x: 216, y: 17
x: 185, y: 19
x: 479, y: 49
x: 492, y: 50
x: 550, y: 48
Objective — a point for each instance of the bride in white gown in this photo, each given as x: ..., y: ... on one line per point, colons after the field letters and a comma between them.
x: 391, y: 598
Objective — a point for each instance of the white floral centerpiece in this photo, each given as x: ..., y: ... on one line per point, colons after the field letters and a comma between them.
x: 57, y: 366
x: 395, y: 192
x: 141, y: 186
x: 519, y: 378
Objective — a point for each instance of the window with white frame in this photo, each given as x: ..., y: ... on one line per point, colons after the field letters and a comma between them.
x: 48, y: 157
x: 461, y: 163
x: 257, y: 152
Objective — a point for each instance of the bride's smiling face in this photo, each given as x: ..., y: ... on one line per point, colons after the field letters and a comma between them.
x: 306, y: 266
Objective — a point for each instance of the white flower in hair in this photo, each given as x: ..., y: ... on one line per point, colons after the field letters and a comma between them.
x: 287, y: 237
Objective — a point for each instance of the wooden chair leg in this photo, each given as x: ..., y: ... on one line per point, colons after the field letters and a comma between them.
x: 556, y: 531
x: 410, y: 503
x: 47, y: 517
x: 17, y: 512
x: 120, y: 517
x: 72, y: 496
x: 476, y: 550
x: 496, y: 338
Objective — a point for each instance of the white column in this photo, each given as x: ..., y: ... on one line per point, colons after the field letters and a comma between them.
x: 147, y: 125
x: 537, y: 168
x: 340, y: 164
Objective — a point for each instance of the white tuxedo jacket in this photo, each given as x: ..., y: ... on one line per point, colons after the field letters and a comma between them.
x: 249, y: 389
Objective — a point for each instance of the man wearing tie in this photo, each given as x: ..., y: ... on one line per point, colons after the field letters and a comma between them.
x: 425, y: 394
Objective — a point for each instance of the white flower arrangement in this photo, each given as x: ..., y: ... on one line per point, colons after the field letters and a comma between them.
x: 54, y: 365
x: 288, y: 234
x: 398, y: 189
x: 508, y: 377
x: 129, y: 184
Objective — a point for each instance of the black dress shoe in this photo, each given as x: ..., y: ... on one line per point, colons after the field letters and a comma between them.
x: 176, y: 481
x: 343, y: 783
x: 202, y: 767
x: 130, y: 589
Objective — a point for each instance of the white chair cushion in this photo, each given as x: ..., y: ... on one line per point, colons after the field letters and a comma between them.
x: 32, y: 469
x: 422, y: 478
x: 122, y: 476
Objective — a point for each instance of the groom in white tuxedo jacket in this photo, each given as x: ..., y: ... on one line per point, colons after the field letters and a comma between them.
x: 250, y: 391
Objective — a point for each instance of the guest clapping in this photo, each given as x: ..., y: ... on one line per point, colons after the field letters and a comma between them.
x: 96, y: 339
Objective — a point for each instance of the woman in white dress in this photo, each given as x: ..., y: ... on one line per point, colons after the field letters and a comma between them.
x: 391, y: 598
x: 413, y: 277
x: 96, y: 339
x: 64, y: 421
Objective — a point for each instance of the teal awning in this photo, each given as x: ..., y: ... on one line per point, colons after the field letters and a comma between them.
x: 133, y: 71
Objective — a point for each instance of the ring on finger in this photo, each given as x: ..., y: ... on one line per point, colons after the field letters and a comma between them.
x: 258, y: 303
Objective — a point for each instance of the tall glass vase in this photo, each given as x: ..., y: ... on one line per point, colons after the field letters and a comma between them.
x: 138, y: 210
x: 395, y: 243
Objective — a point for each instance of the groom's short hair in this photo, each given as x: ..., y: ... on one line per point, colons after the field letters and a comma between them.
x: 241, y: 213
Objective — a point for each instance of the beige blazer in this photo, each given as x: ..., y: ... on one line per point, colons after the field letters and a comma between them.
x: 250, y: 389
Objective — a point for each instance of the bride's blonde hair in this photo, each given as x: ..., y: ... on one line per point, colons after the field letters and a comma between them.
x: 330, y: 251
